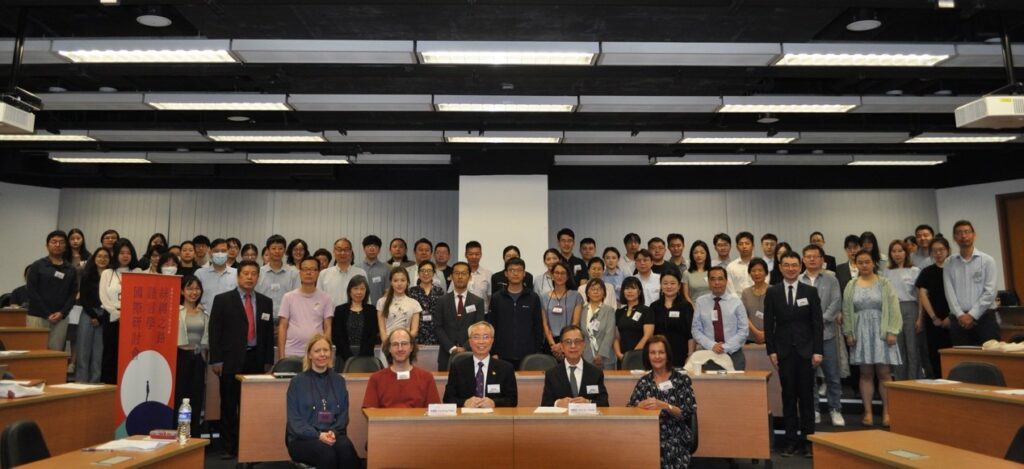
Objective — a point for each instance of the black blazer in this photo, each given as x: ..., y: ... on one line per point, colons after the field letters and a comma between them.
x: 797, y: 329
x: 830, y: 263
x: 229, y: 328
x: 556, y: 384
x: 843, y: 275
x: 462, y: 383
x: 453, y: 332
x: 368, y: 337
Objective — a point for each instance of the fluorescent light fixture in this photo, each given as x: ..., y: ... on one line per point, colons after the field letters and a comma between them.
x: 725, y: 54
x: 911, y: 104
x: 897, y: 160
x: 43, y: 136
x: 572, y: 137
x: 704, y: 160
x: 298, y: 158
x: 864, y: 55
x: 291, y: 136
x: 99, y: 157
x: 738, y: 138
x: 678, y: 104
x: 457, y: 136
x: 946, y: 3
x: 983, y: 55
x: 802, y: 159
x: 789, y: 104
x: 507, y: 52
x: 148, y: 136
x: 93, y: 102
x: 961, y: 138
x: 145, y: 50
x: 196, y: 157
x: 217, y: 101
x: 361, y: 102
x: 457, y: 103
x: 386, y: 136
x: 36, y: 51
x: 826, y: 138
x: 320, y: 51
x: 403, y: 159
x: 110, y: 2
x: 602, y: 160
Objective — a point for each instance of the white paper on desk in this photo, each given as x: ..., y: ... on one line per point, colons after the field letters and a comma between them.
x: 76, y: 386
x: 15, y: 381
x: 13, y: 389
x: 937, y: 381
x: 75, y: 314
x: 260, y: 377
x: 5, y: 353
x: 550, y: 410
x: 477, y: 410
x: 734, y: 372
x: 133, y: 445
x: 1011, y: 392
x: 637, y: 372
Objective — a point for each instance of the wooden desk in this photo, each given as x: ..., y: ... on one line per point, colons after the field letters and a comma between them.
x: 516, y: 437
x: 48, y: 365
x: 968, y: 416
x: 757, y: 360
x: 13, y: 317
x: 24, y: 338
x: 1010, y: 363
x: 733, y: 408
x: 70, y: 419
x: 172, y: 456
x: 870, y: 449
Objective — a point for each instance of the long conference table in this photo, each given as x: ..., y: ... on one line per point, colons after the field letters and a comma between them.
x: 171, y: 456
x: 69, y: 418
x: 1010, y: 363
x: 870, y: 449
x: 731, y: 408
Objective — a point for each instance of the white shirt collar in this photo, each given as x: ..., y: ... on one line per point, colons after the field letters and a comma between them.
x: 476, y: 363
x: 793, y: 284
x: 578, y: 365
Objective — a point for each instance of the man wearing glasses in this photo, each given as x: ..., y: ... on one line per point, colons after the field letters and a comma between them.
x: 305, y: 312
x: 483, y: 381
x: 400, y: 385
x: 970, y: 280
x: 453, y: 313
x: 574, y: 380
x: 515, y: 313
x: 422, y: 251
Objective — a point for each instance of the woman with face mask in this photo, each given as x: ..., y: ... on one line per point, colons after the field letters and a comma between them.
x: 169, y: 264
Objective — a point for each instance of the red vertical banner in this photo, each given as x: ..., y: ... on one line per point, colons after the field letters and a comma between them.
x: 147, y: 352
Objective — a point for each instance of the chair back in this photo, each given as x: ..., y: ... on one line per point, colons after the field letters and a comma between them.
x: 288, y: 365
x: 457, y: 357
x: 1016, y: 451
x: 362, y: 365
x: 537, y: 362
x: 696, y: 433
x: 977, y: 373
x: 632, y: 360
x: 21, y: 443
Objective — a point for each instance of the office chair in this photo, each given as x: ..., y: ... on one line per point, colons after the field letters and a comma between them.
x: 977, y: 373
x: 1016, y: 451
x: 287, y: 365
x: 693, y: 426
x: 362, y: 365
x: 537, y: 362
x: 457, y: 357
x: 632, y: 360
x: 22, y: 442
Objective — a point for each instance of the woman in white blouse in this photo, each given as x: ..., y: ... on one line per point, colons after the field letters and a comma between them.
x: 544, y: 283
x: 125, y: 260
x: 396, y: 310
x: 595, y: 270
x: 903, y: 276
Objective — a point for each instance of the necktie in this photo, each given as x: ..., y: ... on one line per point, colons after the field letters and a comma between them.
x: 460, y: 309
x: 789, y: 296
x: 572, y: 382
x: 717, y: 322
x: 251, y: 317
x: 480, y: 379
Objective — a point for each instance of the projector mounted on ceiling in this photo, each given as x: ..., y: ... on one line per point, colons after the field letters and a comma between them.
x: 16, y: 117
x: 992, y: 112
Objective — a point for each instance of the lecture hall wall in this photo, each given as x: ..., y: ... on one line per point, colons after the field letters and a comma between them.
x: 320, y: 217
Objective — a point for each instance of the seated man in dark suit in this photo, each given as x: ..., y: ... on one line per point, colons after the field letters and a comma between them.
x: 481, y: 381
x: 587, y: 382
x: 453, y: 313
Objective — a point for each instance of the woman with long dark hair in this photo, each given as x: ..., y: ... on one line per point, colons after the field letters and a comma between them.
x: 76, y: 253
x: 697, y: 273
x: 193, y: 346
x: 354, y: 326
x: 124, y: 260
x: 89, y: 358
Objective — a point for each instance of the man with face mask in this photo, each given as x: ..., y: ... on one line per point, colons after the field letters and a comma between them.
x: 217, y: 277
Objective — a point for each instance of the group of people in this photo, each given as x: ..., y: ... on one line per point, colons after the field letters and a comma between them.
x: 884, y: 314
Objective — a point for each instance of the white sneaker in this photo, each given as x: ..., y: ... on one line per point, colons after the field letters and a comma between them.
x: 837, y: 418
x: 817, y: 417
x: 821, y: 390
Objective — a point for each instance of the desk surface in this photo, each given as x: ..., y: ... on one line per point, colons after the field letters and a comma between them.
x: 960, y: 390
x: 874, y: 446
x: 63, y: 413
x: 33, y: 354
x: 13, y: 317
x: 506, y: 413
x: 48, y: 365
x: 170, y: 456
x: 980, y: 353
x: 55, y: 394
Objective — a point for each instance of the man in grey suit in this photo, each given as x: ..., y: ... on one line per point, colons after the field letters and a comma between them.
x: 831, y: 302
x: 453, y: 313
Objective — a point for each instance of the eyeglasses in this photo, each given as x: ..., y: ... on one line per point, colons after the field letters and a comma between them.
x: 516, y: 271
x: 426, y: 271
x: 480, y: 337
x: 572, y: 341
x: 401, y: 344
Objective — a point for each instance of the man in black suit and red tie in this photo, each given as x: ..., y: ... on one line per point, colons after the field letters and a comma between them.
x: 793, y: 332
x: 481, y: 381
x: 241, y: 342
x: 586, y: 384
x: 453, y: 313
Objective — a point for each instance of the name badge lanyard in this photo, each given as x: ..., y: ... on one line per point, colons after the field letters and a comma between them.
x: 323, y: 401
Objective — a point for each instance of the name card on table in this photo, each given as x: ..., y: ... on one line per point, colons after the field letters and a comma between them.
x: 442, y: 410
x: 582, y: 409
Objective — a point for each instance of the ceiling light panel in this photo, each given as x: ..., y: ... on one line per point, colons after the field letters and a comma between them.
x: 864, y: 55
x: 36, y: 51
x: 507, y: 52
x: 403, y: 159
x: 460, y: 103
x: 148, y: 136
x: 602, y: 160
x: 578, y: 137
x: 826, y: 138
x: 535, y: 137
x: 911, y: 104
x: 738, y: 138
x: 196, y: 157
x: 688, y: 54
x: 323, y: 51
x: 704, y: 160
x: 361, y: 102
x: 789, y: 104
x: 99, y: 157
x: 298, y: 158
x: 386, y: 136
x: 93, y: 102
x: 803, y: 159
x: 145, y: 50
x: 961, y: 138
x: 217, y: 101
x: 897, y: 160
x: 653, y: 104
x: 982, y: 55
x: 43, y: 136
x: 282, y: 136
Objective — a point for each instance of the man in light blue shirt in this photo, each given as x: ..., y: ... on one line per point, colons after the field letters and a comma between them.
x: 969, y: 278
x: 720, y: 320
x: 376, y: 271
x: 216, y: 277
x: 277, y: 277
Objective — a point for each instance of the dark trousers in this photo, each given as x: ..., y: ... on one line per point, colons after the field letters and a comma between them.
x: 986, y: 328
x: 937, y: 339
x: 230, y: 395
x: 797, y: 378
x: 339, y: 455
x: 108, y: 368
x: 189, y: 382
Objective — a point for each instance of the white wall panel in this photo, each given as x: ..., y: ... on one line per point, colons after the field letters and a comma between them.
x: 135, y: 213
x: 244, y: 214
x: 501, y: 210
x: 28, y: 214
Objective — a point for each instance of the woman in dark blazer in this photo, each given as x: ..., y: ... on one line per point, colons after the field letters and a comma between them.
x: 354, y: 327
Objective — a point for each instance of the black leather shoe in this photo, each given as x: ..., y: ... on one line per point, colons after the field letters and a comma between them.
x: 788, y: 451
x: 808, y: 451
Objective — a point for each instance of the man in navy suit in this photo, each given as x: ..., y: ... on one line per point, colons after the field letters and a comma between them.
x: 793, y: 339
x: 481, y: 381
x: 241, y: 342
x: 587, y: 382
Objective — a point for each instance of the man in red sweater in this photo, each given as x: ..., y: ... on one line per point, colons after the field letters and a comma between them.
x: 401, y: 384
